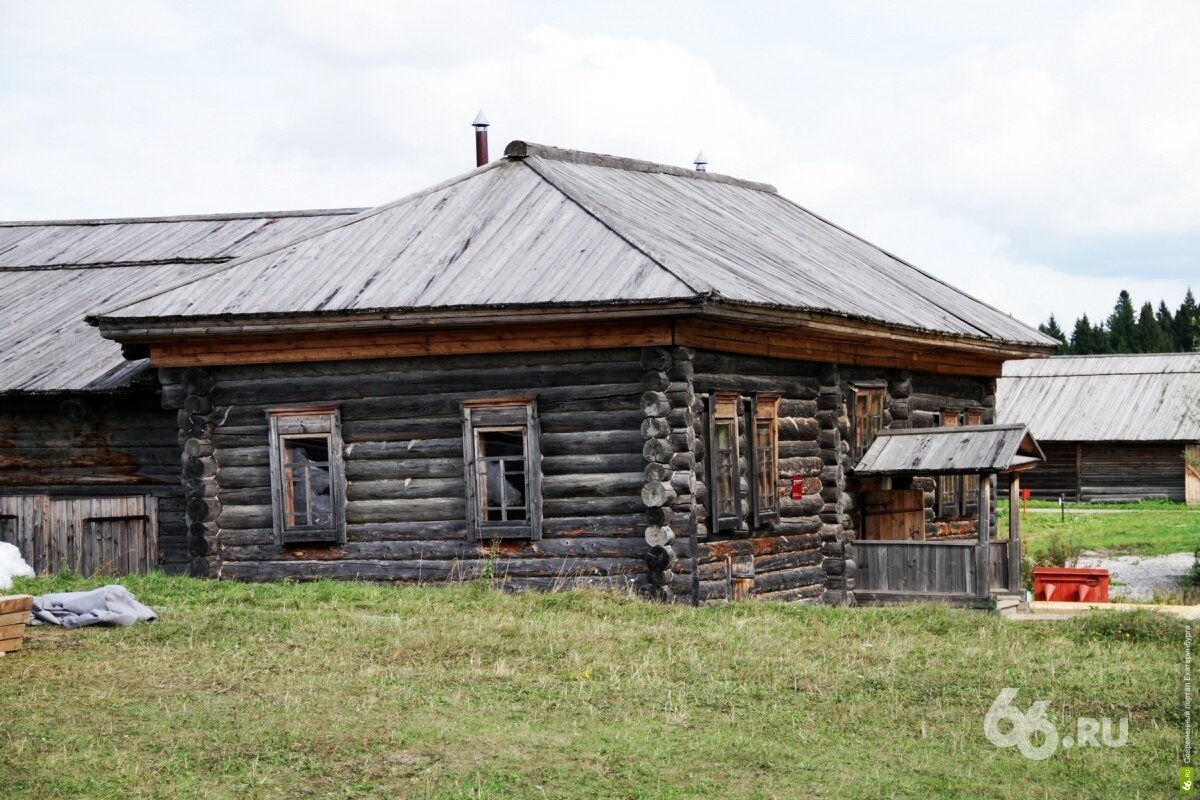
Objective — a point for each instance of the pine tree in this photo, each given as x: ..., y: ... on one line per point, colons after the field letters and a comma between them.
x: 1187, y: 325
x: 1167, y: 323
x: 1083, y: 337
x: 1121, y: 325
x: 1051, y: 329
x: 1148, y: 335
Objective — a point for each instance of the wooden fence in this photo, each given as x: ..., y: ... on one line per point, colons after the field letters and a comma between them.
x: 928, y: 567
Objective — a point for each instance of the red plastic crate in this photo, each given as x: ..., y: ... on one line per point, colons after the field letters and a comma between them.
x: 1070, y: 584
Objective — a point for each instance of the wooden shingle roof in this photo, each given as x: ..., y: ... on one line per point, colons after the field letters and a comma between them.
x: 963, y: 450
x: 546, y: 227
x: 51, y: 273
x: 1135, y: 398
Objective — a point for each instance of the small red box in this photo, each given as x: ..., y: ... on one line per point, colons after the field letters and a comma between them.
x: 797, y: 487
x: 1070, y: 584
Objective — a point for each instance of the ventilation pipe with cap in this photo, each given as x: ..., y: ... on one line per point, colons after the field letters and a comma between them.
x: 481, y: 146
x: 701, y: 162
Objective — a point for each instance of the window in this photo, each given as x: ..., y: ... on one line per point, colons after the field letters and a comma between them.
x: 762, y: 420
x: 868, y: 417
x: 307, y: 492
x: 970, y: 491
x: 958, y: 495
x: 502, y: 458
x: 743, y: 445
x: 724, y: 462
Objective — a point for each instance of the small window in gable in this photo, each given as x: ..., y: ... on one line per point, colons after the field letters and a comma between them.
x: 868, y: 417
x: 724, y: 462
x: 502, y: 458
x: 307, y: 485
x: 762, y: 422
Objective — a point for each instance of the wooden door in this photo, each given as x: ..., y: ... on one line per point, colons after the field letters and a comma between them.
x: 894, y: 514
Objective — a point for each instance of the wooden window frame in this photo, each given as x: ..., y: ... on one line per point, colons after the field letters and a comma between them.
x: 965, y: 487
x: 763, y: 412
x: 507, y: 414
x: 307, y: 422
x: 861, y: 438
x: 723, y: 410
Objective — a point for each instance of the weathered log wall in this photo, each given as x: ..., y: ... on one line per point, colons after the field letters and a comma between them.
x: 788, y: 560
x: 1110, y: 471
x: 92, y: 445
x: 811, y: 552
x: 405, y: 487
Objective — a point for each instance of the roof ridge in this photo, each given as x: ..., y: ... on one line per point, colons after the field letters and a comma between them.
x: 93, y: 316
x: 313, y: 212
x: 697, y: 286
x: 522, y: 149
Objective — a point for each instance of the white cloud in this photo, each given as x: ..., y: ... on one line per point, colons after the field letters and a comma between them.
x: 1085, y: 126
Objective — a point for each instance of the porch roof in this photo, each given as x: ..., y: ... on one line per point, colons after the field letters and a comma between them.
x: 965, y: 450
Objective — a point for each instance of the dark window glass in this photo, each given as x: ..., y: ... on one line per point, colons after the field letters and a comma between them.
x: 727, y: 467
x: 764, y: 448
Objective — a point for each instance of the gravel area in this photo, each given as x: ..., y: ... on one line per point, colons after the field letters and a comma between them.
x: 1140, y: 576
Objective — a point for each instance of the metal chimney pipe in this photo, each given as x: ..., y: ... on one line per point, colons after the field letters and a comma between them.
x: 701, y: 162
x: 481, y: 145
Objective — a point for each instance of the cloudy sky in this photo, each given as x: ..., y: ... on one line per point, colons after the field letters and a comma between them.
x: 1040, y: 155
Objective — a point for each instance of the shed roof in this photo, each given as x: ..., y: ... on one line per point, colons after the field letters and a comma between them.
x: 550, y: 227
x: 1152, y: 397
x: 51, y: 273
x: 969, y: 449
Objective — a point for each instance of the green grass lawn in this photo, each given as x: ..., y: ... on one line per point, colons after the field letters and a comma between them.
x: 1146, y: 529
x: 356, y: 690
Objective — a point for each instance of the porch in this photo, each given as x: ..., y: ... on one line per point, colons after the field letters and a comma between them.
x: 895, y: 561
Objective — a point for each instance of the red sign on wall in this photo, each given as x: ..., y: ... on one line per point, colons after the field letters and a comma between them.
x: 797, y: 487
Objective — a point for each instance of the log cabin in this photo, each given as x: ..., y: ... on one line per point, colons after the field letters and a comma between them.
x: 1114, y: 428
x: 89, y: 458
x: 569, y: 369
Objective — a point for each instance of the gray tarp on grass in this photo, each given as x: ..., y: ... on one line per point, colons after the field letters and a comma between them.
x: 108, y: 605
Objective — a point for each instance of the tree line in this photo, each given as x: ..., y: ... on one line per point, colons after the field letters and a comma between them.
x: 1127, y: 331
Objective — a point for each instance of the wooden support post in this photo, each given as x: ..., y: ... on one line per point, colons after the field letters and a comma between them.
x: 1014, y: 532
x: 1078, y: 473
x: 982, y: 588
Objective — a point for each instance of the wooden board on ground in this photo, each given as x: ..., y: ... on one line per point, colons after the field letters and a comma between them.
x: 15, y: 602
x: 14, y: 613
x: 13, y: 618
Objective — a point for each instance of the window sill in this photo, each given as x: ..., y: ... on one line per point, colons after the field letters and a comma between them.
x: 311, y: 536
x: 503, y: 532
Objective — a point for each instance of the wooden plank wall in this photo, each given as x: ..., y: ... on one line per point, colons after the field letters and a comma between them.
x: 1132, y: 470
x: 1110, y: 471
x: 86, y: 535
x: 917, y: 567
x: 100, y: 446
x: 1056, y: 475
x: 401, y: 423
x: 1191, y: 455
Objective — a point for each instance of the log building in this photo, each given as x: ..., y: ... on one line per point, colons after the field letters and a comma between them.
x: 567, y: 369
x: 1113, y: 428
x: 89, y: 458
